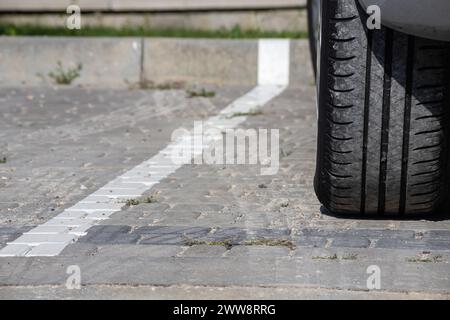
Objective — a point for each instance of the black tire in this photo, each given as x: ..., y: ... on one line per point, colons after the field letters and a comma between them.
x: 383, y: 106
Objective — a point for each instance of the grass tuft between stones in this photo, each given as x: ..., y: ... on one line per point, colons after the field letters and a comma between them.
x: 351, y: 256
x: 332, y: 257
x: 425, y: 259
x: 202, y: 93
x: 246, y: 114
x: 65, y: 76
x: 271, y: 243
x: 168, y: 85
x: 229, y: 243
x: 138, y: 201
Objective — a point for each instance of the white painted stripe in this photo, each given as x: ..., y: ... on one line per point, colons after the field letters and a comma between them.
x: 273, y: 62
x: 46, y: 250
x: 50, y: 238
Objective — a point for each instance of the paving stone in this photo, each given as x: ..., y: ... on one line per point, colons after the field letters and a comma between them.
x: 80, y: 230
x: 15, y: 250
x: 437, y: 234
x: 303, y: 241
x: 204, y: 251
x: 46, y: 250
x: 35, y: 239
x: 232, y: 235
x: 177, y: 219
x: 170, y: 235
x: 350, y: 242
x: 118, y: 184
x: 110, y: 229
x: 115, y: 239
x: 110, y: 235
x: 5, y: 238
x: 9, y: 230
x: 48, y: 230
x: 100, y: 199
x: 401, y: 244
x: 437, y: 244
x: 68, y: 222
x: 94, y: 207
x: 268, y: 233
x: 99, y: 215
x: 71, y: 215
x: 120, y: 192
x: 368, y: 233
x: 9, y: 234
x: 268, y: 252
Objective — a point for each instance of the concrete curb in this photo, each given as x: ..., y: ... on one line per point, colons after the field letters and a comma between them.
x: 135, y: 62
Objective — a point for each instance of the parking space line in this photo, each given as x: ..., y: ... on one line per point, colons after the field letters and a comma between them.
x: 73, y: 223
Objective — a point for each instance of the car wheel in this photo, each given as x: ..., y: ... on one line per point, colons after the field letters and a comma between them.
x: 383, y: 104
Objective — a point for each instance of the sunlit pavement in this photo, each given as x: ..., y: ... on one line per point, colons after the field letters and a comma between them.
x: 208, y: 231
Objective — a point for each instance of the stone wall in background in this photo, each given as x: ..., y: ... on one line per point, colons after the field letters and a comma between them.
x: 264, y: 15
x: 264, y: 20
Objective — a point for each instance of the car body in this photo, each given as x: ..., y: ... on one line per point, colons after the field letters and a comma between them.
x: 423, y: 18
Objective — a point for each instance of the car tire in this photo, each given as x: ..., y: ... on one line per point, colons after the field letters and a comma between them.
x: 383, y: 105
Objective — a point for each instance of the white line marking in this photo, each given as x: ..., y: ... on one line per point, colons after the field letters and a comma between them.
x: 50, y: 238
x: 273, y: 62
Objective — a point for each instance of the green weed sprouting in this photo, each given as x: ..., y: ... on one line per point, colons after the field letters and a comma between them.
x: 66, y: 77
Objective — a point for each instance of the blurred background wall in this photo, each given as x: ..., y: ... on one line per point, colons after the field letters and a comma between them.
x: 264, y: 15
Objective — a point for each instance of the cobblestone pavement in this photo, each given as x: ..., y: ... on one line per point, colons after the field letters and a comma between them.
x: 208, y: 230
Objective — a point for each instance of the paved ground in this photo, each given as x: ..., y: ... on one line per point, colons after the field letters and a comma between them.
x: 210, y: 231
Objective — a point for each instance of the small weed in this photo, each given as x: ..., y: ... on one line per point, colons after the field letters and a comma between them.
x: 173, y: 85
x: 352, y: 256
x: 285, y: 153
x: 136, y: 202
x: 425, y: 259
x: 284, y: 204
x: 245, y: 114
x: 415, y: 260
x: 66, y: 77
x: 228, y: 243
x: 333, y: 257
x: 3, y: 160
x: 200, y: 93
x: 132, y: 202
x: 271, y: 243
